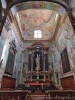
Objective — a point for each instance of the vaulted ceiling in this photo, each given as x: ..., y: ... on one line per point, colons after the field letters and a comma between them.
x: 19, y: 5
x: 37, y: 20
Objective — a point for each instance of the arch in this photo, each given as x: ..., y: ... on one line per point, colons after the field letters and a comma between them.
x: 54, y: 1
x: 66, y: 7
x: 36, y: 5
x: 63, y: 4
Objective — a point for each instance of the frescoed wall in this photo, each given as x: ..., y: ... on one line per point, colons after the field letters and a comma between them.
x: 64, y: 40
x: 7, y: 36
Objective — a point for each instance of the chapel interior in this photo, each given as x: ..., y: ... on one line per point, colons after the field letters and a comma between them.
x: 37, y: 50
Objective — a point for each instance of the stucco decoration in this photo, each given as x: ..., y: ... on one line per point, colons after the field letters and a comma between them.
x: 37, y: 5
x: 25, y: 45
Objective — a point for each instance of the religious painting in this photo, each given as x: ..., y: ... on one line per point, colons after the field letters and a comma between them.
x: 37, y: 63
x: 65, y: 61
x: 10, y: 64
x: 10, y: 59
x: 25, y: 69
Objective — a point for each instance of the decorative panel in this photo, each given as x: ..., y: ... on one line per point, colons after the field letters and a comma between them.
x: 8, y: 83
x: 68, y: 83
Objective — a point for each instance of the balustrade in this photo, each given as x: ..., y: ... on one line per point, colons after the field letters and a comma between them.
x: 13, y: 95
x: 26, y: 95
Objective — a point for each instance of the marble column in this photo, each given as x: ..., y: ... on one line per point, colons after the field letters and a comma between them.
x: 32, y: 57
x: 42, y: 60
x: 55, y: 78
x: 45, y: 61
x: 29, y: 61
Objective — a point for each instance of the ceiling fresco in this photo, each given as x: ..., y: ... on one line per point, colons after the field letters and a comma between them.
x: 37, y: 16
x: 37, y: 19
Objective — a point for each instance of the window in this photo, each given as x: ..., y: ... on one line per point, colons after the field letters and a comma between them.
x: 37, y: 34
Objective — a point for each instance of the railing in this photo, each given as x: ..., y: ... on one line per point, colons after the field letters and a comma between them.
x: 48, y: 95
x: 62, y: 95
x: 13, y: 95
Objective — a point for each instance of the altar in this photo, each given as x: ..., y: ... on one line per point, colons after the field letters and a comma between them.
x: 38, y: 83
x: 37, y: 64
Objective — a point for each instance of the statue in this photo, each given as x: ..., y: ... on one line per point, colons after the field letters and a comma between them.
x: 37, y: 62
x: 24, y: 71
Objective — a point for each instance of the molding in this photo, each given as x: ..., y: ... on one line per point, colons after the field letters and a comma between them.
x: 53, y: 1
x: 33, y: 5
